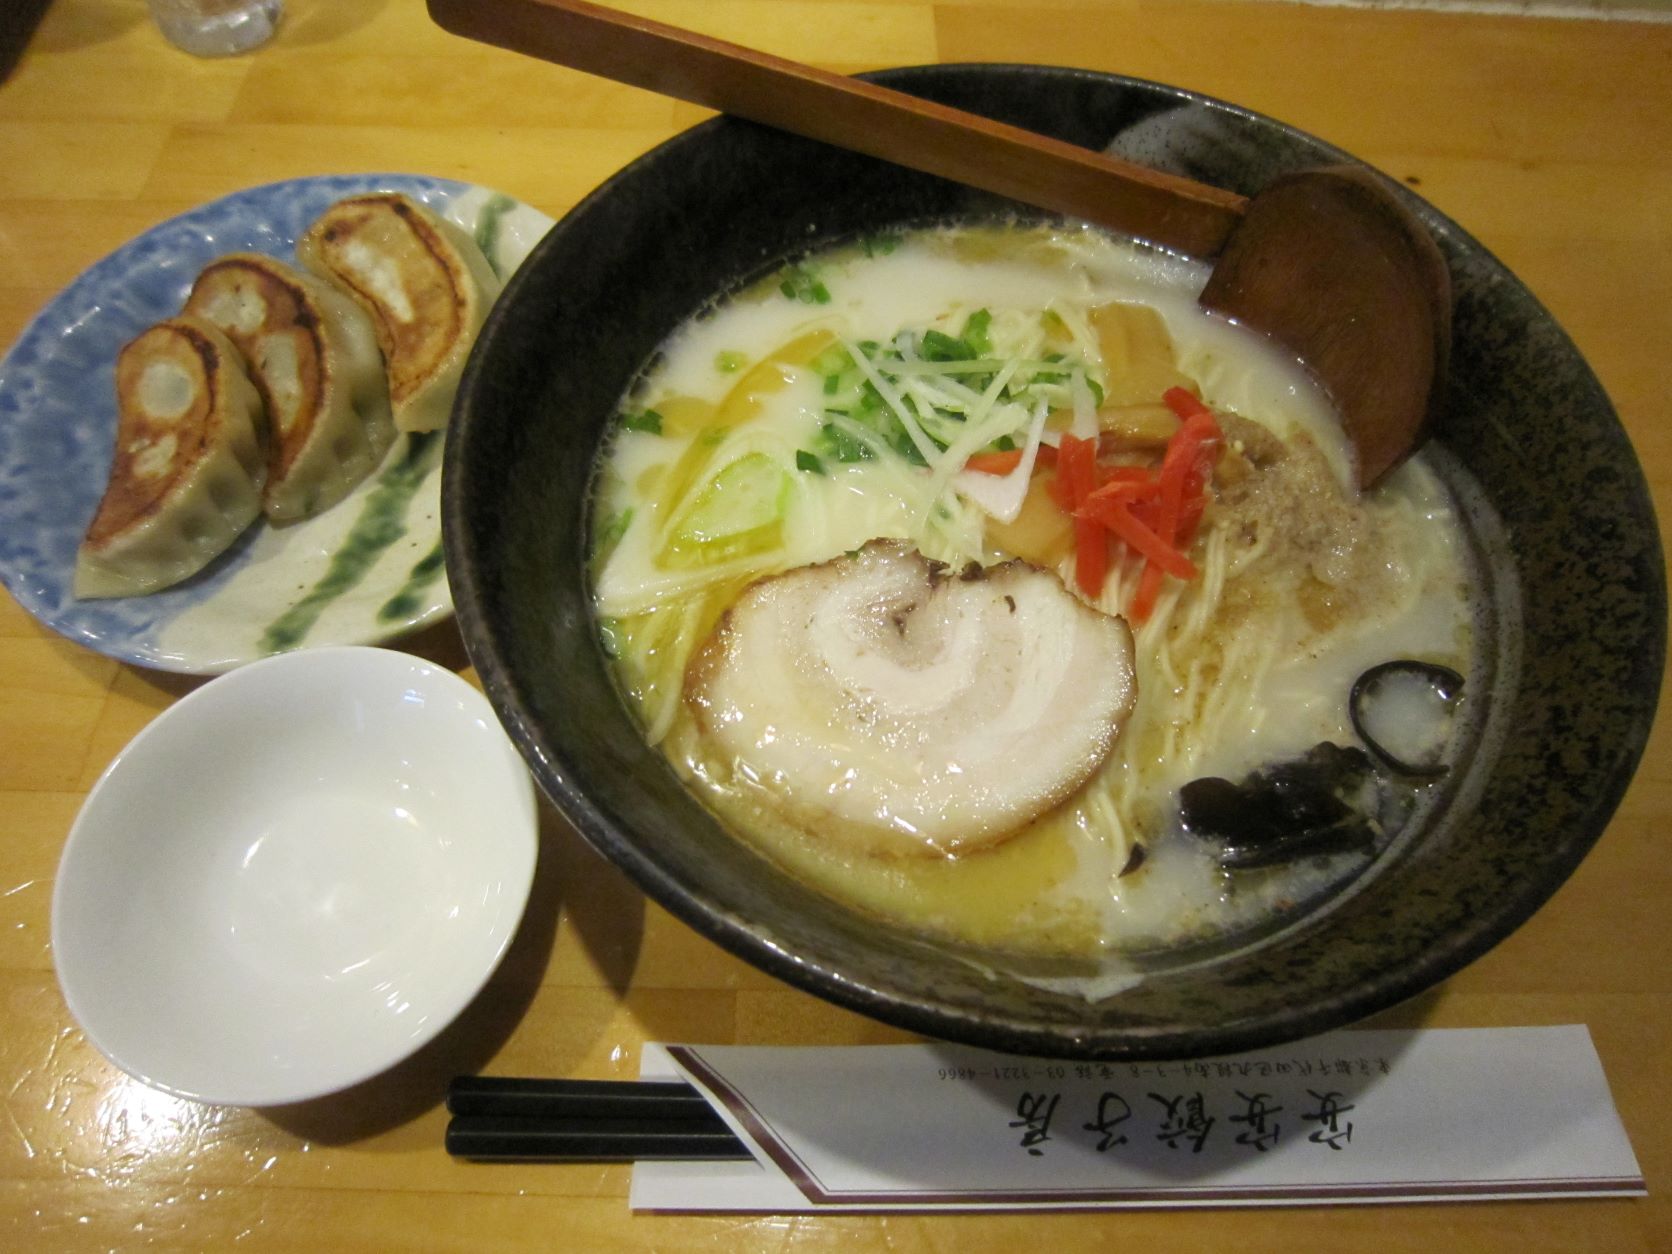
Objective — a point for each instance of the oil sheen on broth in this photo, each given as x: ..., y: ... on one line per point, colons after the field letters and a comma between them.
x: 841, y: 400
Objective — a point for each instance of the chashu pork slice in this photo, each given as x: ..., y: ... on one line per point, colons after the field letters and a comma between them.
x: 888, y: 705
x: 312, y: 354
x: 425, y: 284
x: 188, y: 467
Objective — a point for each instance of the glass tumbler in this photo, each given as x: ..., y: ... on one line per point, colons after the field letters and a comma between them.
x: 216, y: 28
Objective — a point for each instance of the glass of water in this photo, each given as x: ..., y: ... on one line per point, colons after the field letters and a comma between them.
x: 216, y: 28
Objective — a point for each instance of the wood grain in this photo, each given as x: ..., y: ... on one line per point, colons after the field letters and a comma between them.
x: 1551, y: 141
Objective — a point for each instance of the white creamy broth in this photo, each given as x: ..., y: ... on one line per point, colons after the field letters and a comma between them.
x: 740, y: 458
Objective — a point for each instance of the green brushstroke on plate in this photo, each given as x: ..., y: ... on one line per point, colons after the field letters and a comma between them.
x: 382, y: 521
x: 410, y: 599
x: 487, y: 228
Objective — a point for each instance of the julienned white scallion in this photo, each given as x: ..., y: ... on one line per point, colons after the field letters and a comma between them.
x: 946, y: 419
x: 1002, y: 496
x: 940, y: 392
x: 891, y: 397
x: 986, y: 423
x: 981, y: 365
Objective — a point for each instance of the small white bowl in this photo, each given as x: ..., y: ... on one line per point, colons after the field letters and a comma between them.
x: 294, y: 877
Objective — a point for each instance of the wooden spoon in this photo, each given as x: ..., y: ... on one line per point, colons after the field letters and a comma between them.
x: 1326, y: 262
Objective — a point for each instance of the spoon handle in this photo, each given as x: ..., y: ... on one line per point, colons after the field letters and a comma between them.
x: 1193, y: 218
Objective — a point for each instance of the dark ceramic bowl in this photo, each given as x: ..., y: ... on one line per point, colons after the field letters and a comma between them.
x: 1553, y: 495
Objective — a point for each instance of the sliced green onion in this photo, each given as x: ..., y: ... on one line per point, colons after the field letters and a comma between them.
x: 925, y: 448
x: 803, y: 285
x: 939, y: 346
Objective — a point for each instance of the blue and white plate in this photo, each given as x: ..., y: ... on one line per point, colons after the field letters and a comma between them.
x: 364, y: 571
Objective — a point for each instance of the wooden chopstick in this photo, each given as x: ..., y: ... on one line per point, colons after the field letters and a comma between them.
x: 504, y: 1118
x: 1194, y: 218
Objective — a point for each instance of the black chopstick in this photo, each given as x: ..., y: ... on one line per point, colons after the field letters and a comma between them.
x: 487, y: 1139
x: 519, y: 1098
x: 505, y: 1118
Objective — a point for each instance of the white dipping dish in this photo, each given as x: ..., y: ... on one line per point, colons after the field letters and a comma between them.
x: 294, y: 877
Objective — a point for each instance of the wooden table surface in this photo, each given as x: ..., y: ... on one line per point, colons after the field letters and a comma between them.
x: 1550, y: 140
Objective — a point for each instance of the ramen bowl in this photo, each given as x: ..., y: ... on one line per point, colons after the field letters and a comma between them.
x: 1573, y: 632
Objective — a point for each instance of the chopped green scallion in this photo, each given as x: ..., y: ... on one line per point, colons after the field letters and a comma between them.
x: 803, y: 285
x: 842, y: 447
x: 939, y: 346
